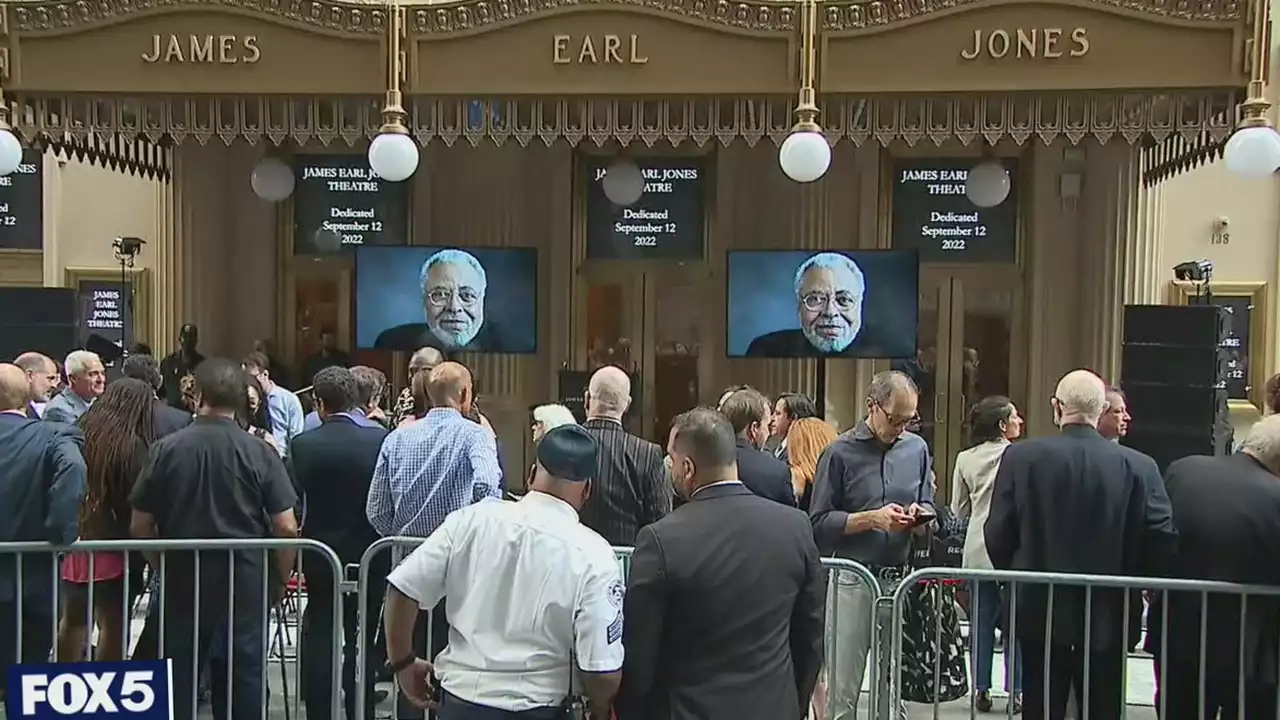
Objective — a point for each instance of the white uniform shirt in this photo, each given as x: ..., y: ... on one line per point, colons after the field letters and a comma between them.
x: 526, y: 582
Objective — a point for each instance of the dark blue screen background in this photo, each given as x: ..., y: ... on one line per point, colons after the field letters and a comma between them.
x: 388, y: 294
x: 761, y: 296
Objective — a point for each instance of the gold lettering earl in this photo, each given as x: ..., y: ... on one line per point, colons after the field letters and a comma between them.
x: 203, y: 49
x: 599, y: 50
x: 1028, y: 43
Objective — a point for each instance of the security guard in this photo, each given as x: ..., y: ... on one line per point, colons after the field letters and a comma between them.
x: 531, y: 594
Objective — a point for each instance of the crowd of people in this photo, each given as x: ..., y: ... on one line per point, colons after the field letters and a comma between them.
x: 515, y: 607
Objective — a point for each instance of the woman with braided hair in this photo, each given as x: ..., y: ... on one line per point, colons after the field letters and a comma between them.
x: 119, y: 429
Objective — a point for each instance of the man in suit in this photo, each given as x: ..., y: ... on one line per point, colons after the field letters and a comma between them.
x: 763, y: 474
x: 725, y: 598
x: 168, y: 419
x: 829, y: 291
x: 631, y: 487
x: 40, y: 493
x: 332, y: 468
x: 788, y: 408
x: 1227, y: 511
x: 43, y: 379
x: 86, y: 381
x: 453, y: 285
x: 1076, y: 503
x: 180, y: 364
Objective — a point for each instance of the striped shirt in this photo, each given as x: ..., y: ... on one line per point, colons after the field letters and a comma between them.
x: 632, y: 487
x: 428, y: 469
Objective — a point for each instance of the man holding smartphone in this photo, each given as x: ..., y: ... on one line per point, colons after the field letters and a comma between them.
x: 872, y: 488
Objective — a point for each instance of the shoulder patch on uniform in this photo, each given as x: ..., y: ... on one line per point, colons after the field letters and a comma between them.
x: 617, y: 593
x: 615, y: 629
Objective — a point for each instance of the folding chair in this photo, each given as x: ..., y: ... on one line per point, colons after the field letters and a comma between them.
x: 290, y: 605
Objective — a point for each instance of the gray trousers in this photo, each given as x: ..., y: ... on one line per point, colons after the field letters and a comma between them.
x: 849, y: 617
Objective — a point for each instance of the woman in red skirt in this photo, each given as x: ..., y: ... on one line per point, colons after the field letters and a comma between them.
x: 119, y: 429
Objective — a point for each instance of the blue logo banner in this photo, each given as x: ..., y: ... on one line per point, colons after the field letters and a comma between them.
x: 132, y: 689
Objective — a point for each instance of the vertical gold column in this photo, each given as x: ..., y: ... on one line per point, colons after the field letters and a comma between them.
x: 164, y: 252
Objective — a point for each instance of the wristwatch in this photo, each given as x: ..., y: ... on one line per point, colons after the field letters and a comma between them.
x: 404, y: 662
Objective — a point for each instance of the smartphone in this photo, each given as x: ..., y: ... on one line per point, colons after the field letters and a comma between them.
x: 924, y: 517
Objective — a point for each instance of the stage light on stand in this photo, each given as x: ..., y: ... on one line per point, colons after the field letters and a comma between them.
x: 623, y: 182
x: 393, y: 154
x: 272, y: 180
x: 987, y: 184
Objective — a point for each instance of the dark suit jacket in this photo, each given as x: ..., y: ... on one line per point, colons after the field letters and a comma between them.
x: 1227, y: 510
x: 765, y: 475
x: 169, y: 419
x: 332, y: 467
x: 1076, y: 503
x: 412, y: 336
x: 631, y: 488
x: 41, y: 488
x: 792, y: 344
x: 724, y: 609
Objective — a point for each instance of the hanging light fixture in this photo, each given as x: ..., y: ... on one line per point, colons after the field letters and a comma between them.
x: 988, y: 184
x: 623, y: 182
x: 10, y: 145
x: 1253, y: 150
x: 393, y: 154
x: 805, y: 155
x: 272, y: 179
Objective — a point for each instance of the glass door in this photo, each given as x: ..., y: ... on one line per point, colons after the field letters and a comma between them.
x: 615, y: 332
x: 971, y: 345
x: 672, y: 350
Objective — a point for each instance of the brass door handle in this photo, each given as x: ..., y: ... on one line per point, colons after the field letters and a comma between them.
x: 939, y: 418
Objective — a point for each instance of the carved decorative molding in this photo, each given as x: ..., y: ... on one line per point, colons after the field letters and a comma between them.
x: 472, y: 14
x: 64, y: 15
x: 133, y: 132
x: 845, y: 15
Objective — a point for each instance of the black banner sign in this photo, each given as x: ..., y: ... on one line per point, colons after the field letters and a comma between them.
x: 1236, y: 343
x: 932, y: 215
x: 666, y: 223
x: 338, y: 203
x: 22, y: 205
x: 104, y: 308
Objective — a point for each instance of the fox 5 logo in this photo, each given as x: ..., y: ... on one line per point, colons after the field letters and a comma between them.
x: 83, y: 690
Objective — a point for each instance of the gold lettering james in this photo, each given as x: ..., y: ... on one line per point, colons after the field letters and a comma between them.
x: 203, y: 49
x: 597, y: 50
x: 1020, y: 43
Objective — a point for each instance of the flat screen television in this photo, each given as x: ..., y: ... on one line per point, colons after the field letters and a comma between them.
x: 828, y: 303
x: 454, y: 299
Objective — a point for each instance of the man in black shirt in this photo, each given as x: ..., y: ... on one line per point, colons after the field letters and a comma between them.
x: 179, y: 364
x: 214, y: 480
x: 168, y: 419
x: 333, y: 466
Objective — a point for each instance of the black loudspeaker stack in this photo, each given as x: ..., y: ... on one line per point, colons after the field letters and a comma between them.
x: 1173, y: 371
x: 37, y: 319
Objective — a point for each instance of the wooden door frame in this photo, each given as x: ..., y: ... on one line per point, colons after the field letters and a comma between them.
x: 940, y: 280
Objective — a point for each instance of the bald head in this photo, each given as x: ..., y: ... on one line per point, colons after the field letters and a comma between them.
x: 608, y: 393
x: 425, y: 359
x: 14, y: 390
x: 1080, y: 397
x: 449, y: 385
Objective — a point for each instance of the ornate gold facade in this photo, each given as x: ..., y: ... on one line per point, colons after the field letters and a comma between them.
x: 504, y: 95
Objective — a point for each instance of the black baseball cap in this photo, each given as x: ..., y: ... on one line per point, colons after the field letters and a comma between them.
x: 569, y: 453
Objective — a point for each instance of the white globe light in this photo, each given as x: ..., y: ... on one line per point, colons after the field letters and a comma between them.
x: 393, y: 157
x: 10, y: 152
x: 623, y: 183
x: 987, y: 184
x: 805, y: 156
x: 1253, y: 153
x: 272, y: 180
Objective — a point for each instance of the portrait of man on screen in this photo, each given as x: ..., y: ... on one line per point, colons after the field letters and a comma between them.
x: 829, y: 292
x: 452, y: 284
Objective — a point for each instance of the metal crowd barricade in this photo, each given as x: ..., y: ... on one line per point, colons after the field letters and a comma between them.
x: 147, y: 602
x: 1084, y: 588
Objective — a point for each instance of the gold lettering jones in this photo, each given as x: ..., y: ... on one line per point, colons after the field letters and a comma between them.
x: 1028, y: 43
x: 203, y: 49
x: 602, y: 50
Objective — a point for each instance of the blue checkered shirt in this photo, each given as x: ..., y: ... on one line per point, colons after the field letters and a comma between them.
x: 430, y: 468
